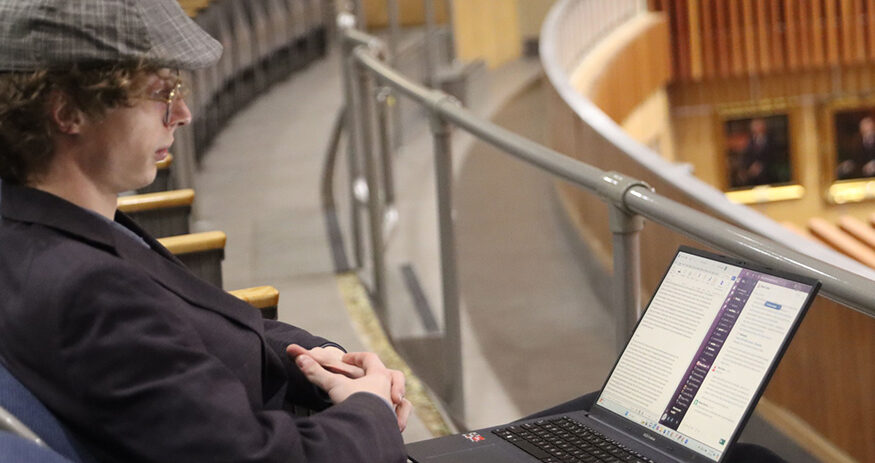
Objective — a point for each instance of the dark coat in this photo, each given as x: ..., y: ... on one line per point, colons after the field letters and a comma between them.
x: 143, y: 361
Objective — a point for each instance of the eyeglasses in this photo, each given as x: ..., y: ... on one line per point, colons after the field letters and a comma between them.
x: 169, y: 95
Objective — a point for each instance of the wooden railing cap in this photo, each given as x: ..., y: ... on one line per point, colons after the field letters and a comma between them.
x: 159, y: 200
x: 194, y: 242
x: 259, y: 297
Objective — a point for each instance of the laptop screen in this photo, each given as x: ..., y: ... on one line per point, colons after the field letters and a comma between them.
x: 702, y: 350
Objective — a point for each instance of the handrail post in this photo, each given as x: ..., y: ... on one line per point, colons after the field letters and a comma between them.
x: 359, y: 11
x: 451, y: 25
x: 453, y: 384
x: 394, y: 31
x: 375, y: 205
x: 430, y: 79
x: 346, y: 22
x: 626, y: 228
x: 386, y: 101
x: 394, y: 38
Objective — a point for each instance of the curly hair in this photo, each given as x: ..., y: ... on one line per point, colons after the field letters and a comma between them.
x: 26, y: 126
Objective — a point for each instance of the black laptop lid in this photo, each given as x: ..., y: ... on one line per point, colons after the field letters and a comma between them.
x: 702, y: 353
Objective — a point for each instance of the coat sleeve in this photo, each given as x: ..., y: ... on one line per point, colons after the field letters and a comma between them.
x: 300, y: 391
x: 143, y: 387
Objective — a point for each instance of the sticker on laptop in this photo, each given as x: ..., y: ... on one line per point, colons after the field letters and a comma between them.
x: 473, y: 437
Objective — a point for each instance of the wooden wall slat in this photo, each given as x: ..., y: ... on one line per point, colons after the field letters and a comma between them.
x: 778, y: 41
x: 709, y: 40
x: 817, y: 33
x: 870, y: 27
x: 683, y: 28
x: 859, y: 18
x: 721, y: 18
x: 674, y: 36
x: 763, y: 15
x: 833, y: 51
x: 792, y: 34
x: 749, y: 30
x: 804, y: 29
x: 694, y: 21
x: 847, y: 27
x: 736, y: 34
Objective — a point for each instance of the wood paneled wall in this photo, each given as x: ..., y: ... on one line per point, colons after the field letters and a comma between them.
x: 826, y: 378
x: 806, y: 97
x: 488, y: 30
x: 715, y: 39
x: 622, y: 84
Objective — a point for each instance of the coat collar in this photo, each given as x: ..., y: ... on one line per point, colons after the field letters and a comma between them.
x: 30, y: 205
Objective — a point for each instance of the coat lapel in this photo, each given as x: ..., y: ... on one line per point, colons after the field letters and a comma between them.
x: 35, y: 206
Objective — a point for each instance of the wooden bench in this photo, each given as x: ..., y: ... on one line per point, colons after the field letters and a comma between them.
x: 202, y: 253
x: 841, y: 241
x: 164, y: 213
x: 264, y: 298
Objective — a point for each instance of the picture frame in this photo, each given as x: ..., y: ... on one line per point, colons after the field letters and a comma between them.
x: 849, y: 150
x: 758, y: 161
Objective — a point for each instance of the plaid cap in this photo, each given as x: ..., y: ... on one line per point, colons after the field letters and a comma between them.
x: 55, y: 34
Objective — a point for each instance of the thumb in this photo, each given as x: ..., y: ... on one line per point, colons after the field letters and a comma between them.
x: 315, y: 373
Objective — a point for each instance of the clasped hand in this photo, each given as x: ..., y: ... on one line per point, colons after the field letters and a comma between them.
x: 341, y: 375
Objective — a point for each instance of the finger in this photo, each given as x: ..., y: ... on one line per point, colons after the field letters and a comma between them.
x: 345, y: 369
x: 315, y: 373
x: 402, y: 411
x: 364, y: 360
x: 399, y: 386
x: 329, y: 359
x: 334, y: 362
x: 295, y: 350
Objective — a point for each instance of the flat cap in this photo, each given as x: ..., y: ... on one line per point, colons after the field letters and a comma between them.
x: 55, y: 34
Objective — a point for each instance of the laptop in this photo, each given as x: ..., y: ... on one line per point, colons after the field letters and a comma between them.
x: 685, y: 384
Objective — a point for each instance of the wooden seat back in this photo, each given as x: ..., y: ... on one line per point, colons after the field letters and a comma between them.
x: 264, y: 298
x: 202, y: 253
x: 163, y: 213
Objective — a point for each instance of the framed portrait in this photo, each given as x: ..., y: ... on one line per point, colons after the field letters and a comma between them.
x: 757, y: 150
x: 854, y: 143
x: 849, y: 164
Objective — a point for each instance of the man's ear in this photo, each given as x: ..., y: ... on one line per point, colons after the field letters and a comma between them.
x: 66, y: 118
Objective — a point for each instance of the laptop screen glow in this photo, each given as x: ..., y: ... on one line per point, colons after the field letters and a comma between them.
x: 701, y: 351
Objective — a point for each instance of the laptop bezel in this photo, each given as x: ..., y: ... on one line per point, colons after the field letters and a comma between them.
x: 666, y: 445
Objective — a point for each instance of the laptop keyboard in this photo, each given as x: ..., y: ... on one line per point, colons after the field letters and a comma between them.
x: 567, y: 441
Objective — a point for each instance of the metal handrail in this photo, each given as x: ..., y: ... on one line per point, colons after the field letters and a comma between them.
x: 839, y: 284
x: 629, y: 200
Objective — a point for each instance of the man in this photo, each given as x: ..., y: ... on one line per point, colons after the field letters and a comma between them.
x: 760, y: 160
x: 861, y: 163
x: 140, y: 359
